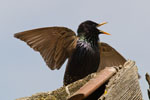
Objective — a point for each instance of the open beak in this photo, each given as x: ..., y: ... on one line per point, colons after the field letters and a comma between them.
x: 103, y: 31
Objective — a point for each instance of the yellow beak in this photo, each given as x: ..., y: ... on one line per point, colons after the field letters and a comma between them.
x: 103, y: 31
x: 101, y: 24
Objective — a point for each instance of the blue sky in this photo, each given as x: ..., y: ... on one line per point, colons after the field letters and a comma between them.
x: 24, y: 72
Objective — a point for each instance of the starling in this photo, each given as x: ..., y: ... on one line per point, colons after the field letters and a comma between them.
x: 84, y: 52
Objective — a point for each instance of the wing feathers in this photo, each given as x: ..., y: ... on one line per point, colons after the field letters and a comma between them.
x: 54, y: 43
x: 109, y: 57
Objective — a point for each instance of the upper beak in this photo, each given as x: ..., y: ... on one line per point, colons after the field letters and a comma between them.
x: 103, y: 31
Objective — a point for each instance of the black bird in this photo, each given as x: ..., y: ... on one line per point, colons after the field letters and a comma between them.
x: 84, y: 52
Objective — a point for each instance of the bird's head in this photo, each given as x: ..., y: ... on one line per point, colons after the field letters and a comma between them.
x: 90, y: 27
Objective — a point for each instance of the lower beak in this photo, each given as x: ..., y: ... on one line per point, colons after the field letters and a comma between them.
x: 102, y: 32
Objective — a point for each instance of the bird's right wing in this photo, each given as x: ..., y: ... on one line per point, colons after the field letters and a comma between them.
x: 109, y: 56
x: 55, y: 44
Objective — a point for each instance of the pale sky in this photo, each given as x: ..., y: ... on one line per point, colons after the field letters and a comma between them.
x: 24, y: 72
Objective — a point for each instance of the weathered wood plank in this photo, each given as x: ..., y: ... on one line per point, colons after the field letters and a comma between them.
x: 148, y: 80
x: 124, y: 85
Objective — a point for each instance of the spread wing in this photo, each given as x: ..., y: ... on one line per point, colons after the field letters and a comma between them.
x: 55, y: 44
x: 109, y: 56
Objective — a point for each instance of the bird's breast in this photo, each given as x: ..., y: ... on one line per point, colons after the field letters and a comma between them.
x: 86, y: 56
x: 84, y: 60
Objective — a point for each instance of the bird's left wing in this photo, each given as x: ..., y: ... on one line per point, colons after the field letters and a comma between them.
x: 109, y: 57
x: 55, y: 44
